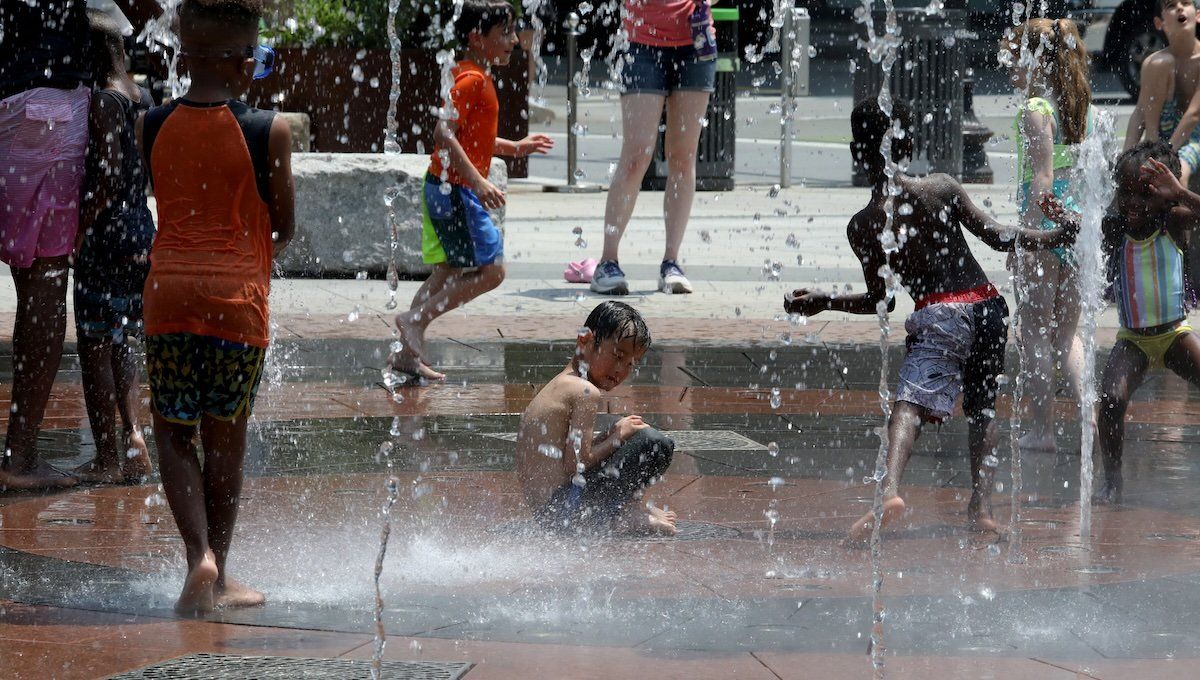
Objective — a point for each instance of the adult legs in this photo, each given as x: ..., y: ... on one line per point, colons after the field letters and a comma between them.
x: 184, y: 484
x: 224, y: 452
x: 1123, y: 374
x: 685, y: 111
x: 1035, y: 332
x: 38, y: 333
x: 640, y: 114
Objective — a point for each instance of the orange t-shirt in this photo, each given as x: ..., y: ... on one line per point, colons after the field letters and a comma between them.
x: 474, y: 96
x: 210, y: 267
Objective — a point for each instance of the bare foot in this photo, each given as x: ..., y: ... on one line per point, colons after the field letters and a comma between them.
x: 1111, y: 492
x: 41, y: 476
x: 411, y: 336
x: 136, y: 465
x: 197, y: 594
x: 649, y: 521
x: 407, y: 363
x: 860, y: 533
x: 97, y: 472
x: 979, y: 516
x: 1037, y: 442
x: 234, y: 595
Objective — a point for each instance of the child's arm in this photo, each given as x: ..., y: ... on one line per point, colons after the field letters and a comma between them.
x: 1003, y: 237
x: 283, y: 189
x: 530, y: 145
x: 583, y: 420
x: 870, y: 255
x: 104, y: 165
x: 456, y: 157
x: 1160, y: 180
x: 1158, y: 71
x: 1037, y: 129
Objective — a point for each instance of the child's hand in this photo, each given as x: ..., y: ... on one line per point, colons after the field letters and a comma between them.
x: 628, y: 426
x: 489, y: 194
x: 534, y: 144
x: 1058, y: 213
x: 1161, y: 181
x: 804, y: 302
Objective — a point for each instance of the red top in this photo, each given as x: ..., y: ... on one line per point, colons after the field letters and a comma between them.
x: 210, y: 267
x: 474, y: 96
x: 661, y: 23
x: 977, y: 294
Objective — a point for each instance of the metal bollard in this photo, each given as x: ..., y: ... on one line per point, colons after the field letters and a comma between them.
x: 573, y: 186
x: 791, y: 83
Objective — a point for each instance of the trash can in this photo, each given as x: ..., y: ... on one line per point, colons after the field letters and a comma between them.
x: 714, y: 160
x: 928, y: 75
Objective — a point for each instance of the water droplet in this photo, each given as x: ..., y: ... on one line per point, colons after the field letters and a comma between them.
x: 773, y: 449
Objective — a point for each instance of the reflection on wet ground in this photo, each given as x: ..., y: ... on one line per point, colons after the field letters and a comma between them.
x: 787, y: 432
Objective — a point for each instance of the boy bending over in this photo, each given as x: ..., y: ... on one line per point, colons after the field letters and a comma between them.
x: 573, y: 478
x: 957, y: 335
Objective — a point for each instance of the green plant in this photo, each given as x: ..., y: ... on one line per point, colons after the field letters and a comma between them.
x: 360, y: 23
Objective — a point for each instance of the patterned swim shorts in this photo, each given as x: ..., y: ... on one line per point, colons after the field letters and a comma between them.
x: 193, y: 375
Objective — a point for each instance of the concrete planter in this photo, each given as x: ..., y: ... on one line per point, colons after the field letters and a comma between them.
x: 341, y: 218
x: 345, y: 90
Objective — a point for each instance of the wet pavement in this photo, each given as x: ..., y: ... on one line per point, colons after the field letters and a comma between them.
x: 88, y: 576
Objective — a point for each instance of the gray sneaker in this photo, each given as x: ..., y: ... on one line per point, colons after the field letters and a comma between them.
x: 609, y: 279
x: 671, y: 279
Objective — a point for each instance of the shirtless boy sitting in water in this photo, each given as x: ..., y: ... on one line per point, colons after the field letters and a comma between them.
x: 573, y: 479
x: 957, y: 335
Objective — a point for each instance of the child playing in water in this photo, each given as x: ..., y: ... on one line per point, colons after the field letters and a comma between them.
x: 1145, y: 233
x: 1168, y: 107
x: 572, y: 478
x: 1057, y: 116
x: 957, y: 335
x: 459, y: 239
x: 116, y: 230
x: 222, y: 176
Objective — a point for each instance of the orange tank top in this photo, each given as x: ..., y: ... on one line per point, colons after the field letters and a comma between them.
x: 210, y: 267
x: 474, y: 96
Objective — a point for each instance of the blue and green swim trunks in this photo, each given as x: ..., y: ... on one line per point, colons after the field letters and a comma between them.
x: 193, y: 375
x: 458, y: 230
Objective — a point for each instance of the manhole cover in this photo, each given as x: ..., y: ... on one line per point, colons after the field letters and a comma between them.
x: 231, y: 667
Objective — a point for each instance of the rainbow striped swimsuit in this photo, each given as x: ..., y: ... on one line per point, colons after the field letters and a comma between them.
x: 1150, y: 281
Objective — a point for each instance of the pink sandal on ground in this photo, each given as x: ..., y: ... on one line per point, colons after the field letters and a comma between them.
x: 580, y: 272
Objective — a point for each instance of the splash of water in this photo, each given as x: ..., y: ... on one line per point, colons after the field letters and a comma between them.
x: 393, y: 489
x: 1028, y: 61
x: 1094, y: 191
x: 160, y: 38
x: 391, y: 147
x: 882, y: 50
x: 533, y: 11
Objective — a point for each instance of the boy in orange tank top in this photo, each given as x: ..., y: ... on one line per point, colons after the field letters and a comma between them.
x: 223, y: 183
x: 459, y: 238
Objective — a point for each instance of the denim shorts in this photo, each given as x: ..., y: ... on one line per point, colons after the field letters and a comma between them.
x: 663, y: 70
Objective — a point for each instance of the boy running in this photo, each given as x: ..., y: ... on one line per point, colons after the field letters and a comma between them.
x: 573, y: 478
x: 459, y: 237
x: 222, y: 176
x: 957, y: 335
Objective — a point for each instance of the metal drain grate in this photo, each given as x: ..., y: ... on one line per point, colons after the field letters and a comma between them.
x: 685, y: 440
x: 232, y: 667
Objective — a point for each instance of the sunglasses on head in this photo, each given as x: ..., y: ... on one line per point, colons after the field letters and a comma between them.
x: 263, y: 56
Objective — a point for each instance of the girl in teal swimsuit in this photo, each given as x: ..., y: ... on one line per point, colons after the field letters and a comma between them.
x: 1057, y: 115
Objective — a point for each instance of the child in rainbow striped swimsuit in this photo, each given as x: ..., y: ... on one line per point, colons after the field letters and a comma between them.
x: 1146, y: 233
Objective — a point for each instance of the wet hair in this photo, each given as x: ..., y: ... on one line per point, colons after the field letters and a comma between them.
x: 868, y: 124
x: 1134, y: 158
x: 244, y: 14
x: 612, y: 319
x: 106, y: 48
x: 1161, y: 5
x: 482, y: 16
x: 1064, y: 64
